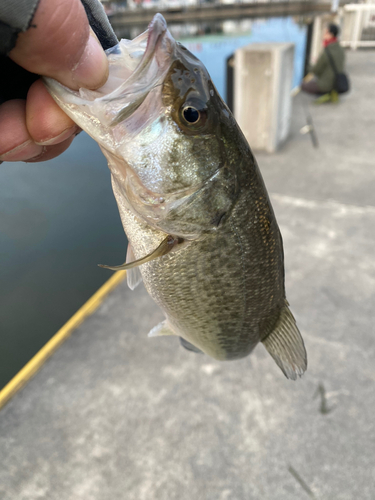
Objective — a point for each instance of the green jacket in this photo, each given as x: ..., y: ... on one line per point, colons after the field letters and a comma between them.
x: 323, y: 68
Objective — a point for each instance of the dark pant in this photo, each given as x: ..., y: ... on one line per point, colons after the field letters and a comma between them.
x: 311, y: 87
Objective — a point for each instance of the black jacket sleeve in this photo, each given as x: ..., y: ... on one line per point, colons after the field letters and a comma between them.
x: 16, y: 17
x: 99, y: 23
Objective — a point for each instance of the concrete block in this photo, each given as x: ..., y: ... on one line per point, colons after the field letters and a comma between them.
x: 262, y: 86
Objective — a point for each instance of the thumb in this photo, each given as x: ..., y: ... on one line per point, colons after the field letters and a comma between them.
x: 60, y: 44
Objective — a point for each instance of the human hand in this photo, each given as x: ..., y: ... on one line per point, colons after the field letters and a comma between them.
x: 59, y: 44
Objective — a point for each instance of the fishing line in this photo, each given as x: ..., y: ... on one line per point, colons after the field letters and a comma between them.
x: 309, y: 128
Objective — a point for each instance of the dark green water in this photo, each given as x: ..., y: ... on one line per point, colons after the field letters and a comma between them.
x: 58, y: 220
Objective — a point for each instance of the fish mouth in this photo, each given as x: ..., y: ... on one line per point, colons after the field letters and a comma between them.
x: 148, y: 73
x: 136, y: 67
x: 156, y: 30
x: 143, y: 55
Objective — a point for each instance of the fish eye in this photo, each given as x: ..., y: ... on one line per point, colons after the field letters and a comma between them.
x: 191, y: 115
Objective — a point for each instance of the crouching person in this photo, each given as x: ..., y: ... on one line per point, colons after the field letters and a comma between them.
x: 323, y: 77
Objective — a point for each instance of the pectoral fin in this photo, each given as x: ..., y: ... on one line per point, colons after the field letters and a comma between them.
x: 165, y: 247
x: 133, y: 275
x: 286, y: 346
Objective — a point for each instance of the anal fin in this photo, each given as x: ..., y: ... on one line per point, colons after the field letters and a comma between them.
x: 163, y: 328
x: 133, y: 275
x: 286, y: 345
x: 189, y: 346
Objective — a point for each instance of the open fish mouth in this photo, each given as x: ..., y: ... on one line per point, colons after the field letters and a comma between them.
x: 147, y: 74
x: 136, y: 67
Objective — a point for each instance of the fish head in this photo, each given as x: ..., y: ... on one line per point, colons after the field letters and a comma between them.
x: 169, y: 139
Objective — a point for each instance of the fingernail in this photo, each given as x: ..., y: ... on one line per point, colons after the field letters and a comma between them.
x: 59, y: 138
x: 92, y: 70
x: 22, y: 152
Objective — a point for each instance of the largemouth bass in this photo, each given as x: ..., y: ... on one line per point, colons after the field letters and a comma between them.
x: 202, y: 233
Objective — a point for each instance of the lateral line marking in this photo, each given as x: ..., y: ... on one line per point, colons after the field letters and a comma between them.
x: 37, y: 361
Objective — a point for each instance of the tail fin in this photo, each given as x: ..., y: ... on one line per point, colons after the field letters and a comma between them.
x: 286, y: 346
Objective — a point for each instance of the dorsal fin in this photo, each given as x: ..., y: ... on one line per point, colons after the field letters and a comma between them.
x: 286, y: 345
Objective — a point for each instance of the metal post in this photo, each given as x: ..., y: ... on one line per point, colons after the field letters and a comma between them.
x: 335, y: 5
x: 316, y: 43
x: 357, y: 29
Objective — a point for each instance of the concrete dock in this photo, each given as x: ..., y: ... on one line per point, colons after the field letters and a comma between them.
x: 114, y: 415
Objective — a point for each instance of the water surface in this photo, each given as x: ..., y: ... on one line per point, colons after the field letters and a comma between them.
x: 58, y: 220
